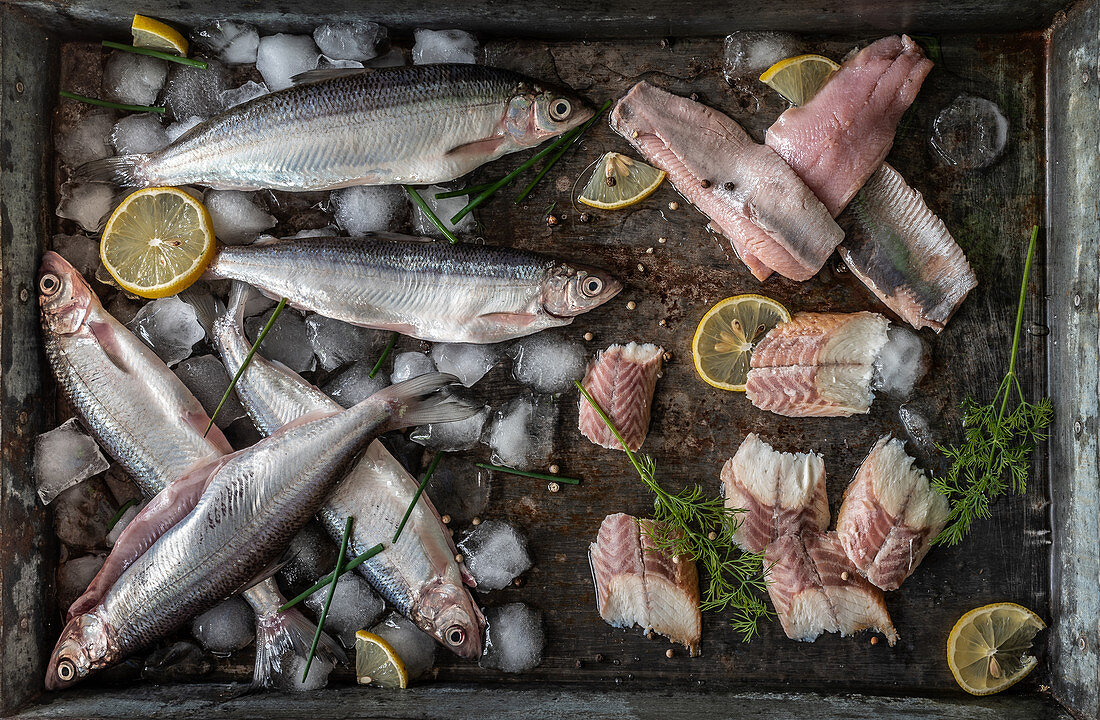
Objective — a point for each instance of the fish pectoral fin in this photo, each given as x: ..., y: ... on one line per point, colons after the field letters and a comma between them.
x: 478, y: 148
x: 326, y: 74
x: 512, y: 319
x: 105, y: 336
x: 268, y: 571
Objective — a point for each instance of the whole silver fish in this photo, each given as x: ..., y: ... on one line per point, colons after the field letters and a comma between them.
x: 429, y: 290
x: 418, y: 574
x: 147, y: 419
x: 422, y: 124
x: 255, y: 501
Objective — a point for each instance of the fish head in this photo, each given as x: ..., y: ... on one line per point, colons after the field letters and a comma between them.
x: 86, y: 645
x: 573, y: 289
x: 448, y: 612
x: 537, y: 112
x: 63, y: 295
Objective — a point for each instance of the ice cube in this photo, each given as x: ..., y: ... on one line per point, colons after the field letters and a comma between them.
x: 444, y: 209
x: 141, y: 133
x: 970, y: 133
x: 207, y: 378
x: 351, y: 40
x: 88, y: 139
x: 74, y: 576
x: 452, y: 436
x: 232, y: 42
x: 355, y: 606
x: 901, y: 363
x: 548, y: 363
x: 130, y: 513
x: 364, y: 209
x: 355, y: 384
x: 177, y: 129
x: 312, y: 554
x: 81, y: 251
x: 192, y: 91
x: 286, y: 342
x: 444, y: 46
x: 237, y: 216
x: 281, y: 57
x: 415, y: 647
x: 409, y: 365
x: 228, y: 626
x: 249, y: 91
x: 514, y: 639
x: 317, y: 678
x: 82, y: 513
x: 257, y: 304
x: 169, y: 326
x: 522, y: 434
x: 751, y: 52
x: 459, y: 488
x: 88, y: 204
x: 495, y: 553
x: 466, y: 361
x: 394, y: 58
x: 335, y: 342
x: 133, y: 79
x: 63, y: 457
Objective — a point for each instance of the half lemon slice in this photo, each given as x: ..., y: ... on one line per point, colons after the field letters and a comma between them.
x: 620, y: 181
x: 154, y: 35
x: 157, y: 242
x: 725, y: 338
x: 799, y: 78
x: 987, y: 649
x: 376, y: 662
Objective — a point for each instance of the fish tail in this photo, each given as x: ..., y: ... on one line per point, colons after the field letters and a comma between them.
x: 124, y: 170
x: 283, y: 637
x: 239, y: 295
x: 417, y: 401
x: 208, y: 308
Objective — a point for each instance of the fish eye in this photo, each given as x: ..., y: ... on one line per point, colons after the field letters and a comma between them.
x: 592, y: 286
x: 49, y: 284
x: 560, y: 109
x: 66, y: 671
x: 455, y: 635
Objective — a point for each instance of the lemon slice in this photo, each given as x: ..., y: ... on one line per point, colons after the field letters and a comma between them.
x: 799, y: 78
x: 376, y: 662
x: 154, y: 35
x: 987, y: 648
x: 620, y: 181
x: 157, y: 242
x: 723, y: 342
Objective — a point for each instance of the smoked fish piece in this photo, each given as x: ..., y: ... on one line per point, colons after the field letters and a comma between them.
x: 622, y: 379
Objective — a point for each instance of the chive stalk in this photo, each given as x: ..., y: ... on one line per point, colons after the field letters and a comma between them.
x: 111, y: 105
x: 461, y: 191
x: 121, y: 511
x: 385, y: 354
x: 430, y: 213
x: 525, y: 473
x: 328, y: 600
x: 155, y: 53
x: 348, y: 567
x: 416, y: 497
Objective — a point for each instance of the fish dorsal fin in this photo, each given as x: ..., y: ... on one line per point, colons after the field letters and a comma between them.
x: 326, y: 74
x: 264, y: 239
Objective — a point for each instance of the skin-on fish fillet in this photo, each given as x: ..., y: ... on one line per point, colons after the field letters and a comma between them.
x: 621, y: 379
x: 635, y: 584
x: 815, y: 588
x: 889, y: 515
x: 903, y: 253
x: 750, y: 194
x: 780, y: 492
x: 837, y: 140
x: 817, y: 365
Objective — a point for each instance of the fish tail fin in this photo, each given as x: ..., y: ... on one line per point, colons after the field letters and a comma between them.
x: 239, y: 295
x: 282, y: 638
x: 124, y: 170
x: 207, y: 306
x: 417, y: 401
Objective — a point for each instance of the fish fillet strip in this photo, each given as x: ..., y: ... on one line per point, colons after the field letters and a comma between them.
x: 889, y: 515
x: 638, y: 585
x: 622, y: 380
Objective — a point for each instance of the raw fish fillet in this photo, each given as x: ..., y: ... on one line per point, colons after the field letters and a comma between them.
x: 621, y: 379
x: 751, y: 196
x: 815, y: 588
x: 780, y: 492
x: 903, y: 253
x: 817, y: 365
x: 837, y: 140
x: 889, y: 515
x: 635, y: 584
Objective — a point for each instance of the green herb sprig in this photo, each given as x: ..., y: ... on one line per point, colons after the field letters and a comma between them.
x: 525, y: 473
x: 416, y: 496
x: 430, y: 213
x: 121, y: 511
x: 328, y: 598
x: 385, y: 354
x: 701, y: 528
x: 109, y: 104
x: 995, y: 456
x: 347, y: 567
x: 155, y: 53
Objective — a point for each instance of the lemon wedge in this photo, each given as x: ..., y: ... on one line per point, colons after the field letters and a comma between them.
x: 799, y: 78
x: 987, y: 649
x: 157, y: 242
x: 725, y: 338
x: 620, y: 181
x: 154, y: 35
x: 376, y: 662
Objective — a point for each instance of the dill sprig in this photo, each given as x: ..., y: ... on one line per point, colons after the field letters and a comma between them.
x: 690, y: 524
x: 995, y: 456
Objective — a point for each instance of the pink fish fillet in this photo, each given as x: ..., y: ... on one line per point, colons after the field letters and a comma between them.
x: 622, y: 379
x: 750, y: 194
x: 780, y: 492
x: 638, y: 585
x: 815, y: 588
x: 837, y: 140
x: 889, y: 515
x: 817, y: 365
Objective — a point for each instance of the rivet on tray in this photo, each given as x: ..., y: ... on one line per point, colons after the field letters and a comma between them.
x: 19, y: 87
x: 23, y: 295
x: 1077, y: 427
x: 1076, y: 301
x: 1084, y: 77
x: 1081, y: 642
